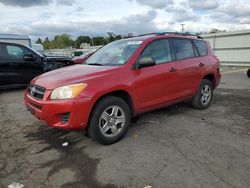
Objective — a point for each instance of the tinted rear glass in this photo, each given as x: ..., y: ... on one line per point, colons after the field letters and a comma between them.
x: 201, y: 46
x: 183, y: 48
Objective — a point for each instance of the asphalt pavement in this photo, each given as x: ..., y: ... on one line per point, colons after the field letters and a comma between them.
x: 173, y: 147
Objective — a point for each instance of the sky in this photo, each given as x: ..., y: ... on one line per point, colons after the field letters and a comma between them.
x: 47, y: 18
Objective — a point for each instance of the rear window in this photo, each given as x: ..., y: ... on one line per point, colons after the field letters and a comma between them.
x: 201, y: 46
x: 183, y: 48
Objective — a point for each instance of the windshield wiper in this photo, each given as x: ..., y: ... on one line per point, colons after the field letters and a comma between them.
x: 98, y: 64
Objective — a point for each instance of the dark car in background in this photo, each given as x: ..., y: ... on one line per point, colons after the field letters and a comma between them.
x: 19, y: 64
x: 82, y: 58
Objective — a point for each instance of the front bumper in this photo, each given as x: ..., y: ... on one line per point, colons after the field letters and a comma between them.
x: 53, y: 112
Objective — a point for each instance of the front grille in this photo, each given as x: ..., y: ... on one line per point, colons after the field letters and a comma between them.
x: 65, y: 117
x: 36, y: 91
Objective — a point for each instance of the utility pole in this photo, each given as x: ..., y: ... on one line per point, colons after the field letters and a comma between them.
x: 91, y: 41
x: 182, y: 28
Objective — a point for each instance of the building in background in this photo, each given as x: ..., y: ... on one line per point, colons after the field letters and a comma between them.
x: 232, y: 48
x: 19, y: 39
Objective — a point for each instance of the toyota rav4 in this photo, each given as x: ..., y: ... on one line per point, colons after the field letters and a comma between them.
x: 123, y: 79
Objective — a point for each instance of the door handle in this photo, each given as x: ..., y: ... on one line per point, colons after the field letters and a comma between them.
x: 201, y: 64
x: 172, y: 69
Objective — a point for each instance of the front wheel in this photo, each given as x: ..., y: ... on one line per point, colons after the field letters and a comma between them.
x: 248, y: 73
x: 110, y: 120
x: 204, y: 95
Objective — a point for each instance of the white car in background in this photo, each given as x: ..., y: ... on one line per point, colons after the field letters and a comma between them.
x: 38, y: 47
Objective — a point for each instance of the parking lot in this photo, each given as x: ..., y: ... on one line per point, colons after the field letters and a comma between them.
x: 177, y: 146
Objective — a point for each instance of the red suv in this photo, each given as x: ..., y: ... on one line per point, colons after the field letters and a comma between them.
x: 123, y: 79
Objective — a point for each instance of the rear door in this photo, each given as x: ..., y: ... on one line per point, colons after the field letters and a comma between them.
x: 187, y: 65
x: 203, y: 58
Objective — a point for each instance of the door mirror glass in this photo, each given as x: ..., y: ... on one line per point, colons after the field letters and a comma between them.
x: 28, y: 57
x: 146, y: 62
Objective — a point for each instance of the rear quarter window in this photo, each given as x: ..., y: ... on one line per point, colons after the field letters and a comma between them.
x: 201, y: 46
x: 183, y: 48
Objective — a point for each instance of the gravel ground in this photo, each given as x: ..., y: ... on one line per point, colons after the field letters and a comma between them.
x: 173, y: 147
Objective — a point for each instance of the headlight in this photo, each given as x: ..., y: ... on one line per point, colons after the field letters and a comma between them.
x: 68, y: 91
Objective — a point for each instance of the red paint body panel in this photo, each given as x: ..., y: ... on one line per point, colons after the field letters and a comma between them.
x: 51, y: 111
x: 149, y: 88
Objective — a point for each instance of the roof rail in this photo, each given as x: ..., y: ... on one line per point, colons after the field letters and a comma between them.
x: 181, y: 34
x: 171, y: 33
x: 147, y: 34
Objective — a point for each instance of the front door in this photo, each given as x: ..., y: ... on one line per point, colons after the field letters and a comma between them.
x: 155, y: 85
x: 7, y: 76
x: 23, y: 70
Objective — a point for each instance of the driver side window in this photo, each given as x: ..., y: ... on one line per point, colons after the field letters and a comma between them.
x: 159, y: 50
x: 15, y: 52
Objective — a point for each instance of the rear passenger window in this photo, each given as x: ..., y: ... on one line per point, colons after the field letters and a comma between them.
x: 201, y: 46
x: 159, y: 50
x: 183, y: 49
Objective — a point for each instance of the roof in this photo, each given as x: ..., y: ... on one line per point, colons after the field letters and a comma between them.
x: 162, y: 34
x: 14, y: 36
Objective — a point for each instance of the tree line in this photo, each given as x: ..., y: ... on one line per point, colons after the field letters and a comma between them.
x: 65, y: 40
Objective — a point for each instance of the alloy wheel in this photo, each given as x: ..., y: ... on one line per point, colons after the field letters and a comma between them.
x: 206, y: 94
x: 112, y: 121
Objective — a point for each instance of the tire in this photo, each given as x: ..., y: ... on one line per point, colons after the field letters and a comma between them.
x: 109, y: 120
x: 204, y: 95
x: 248, y: 73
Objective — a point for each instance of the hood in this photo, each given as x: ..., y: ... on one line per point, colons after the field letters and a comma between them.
x: 57, y: 58
x: 72, y: 74
x: 77, y: 57
x: 78, y: 60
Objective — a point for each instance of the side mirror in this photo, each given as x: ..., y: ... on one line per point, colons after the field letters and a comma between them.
x: 146, y: 62
x: 28, y: 57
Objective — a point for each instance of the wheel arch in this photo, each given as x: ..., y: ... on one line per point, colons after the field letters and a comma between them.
x: 211, y: 78
x: 123, y: 94
x: 248, y: 73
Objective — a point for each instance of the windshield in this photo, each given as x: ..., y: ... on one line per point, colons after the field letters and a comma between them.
x: 36, y: 52
x: 115, y: 53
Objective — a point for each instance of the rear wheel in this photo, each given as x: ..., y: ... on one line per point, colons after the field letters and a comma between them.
x: 110, y: 120
x: 248, y: 73
x: 204, y: 95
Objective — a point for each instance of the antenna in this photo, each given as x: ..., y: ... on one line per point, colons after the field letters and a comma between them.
x: 182, y: 28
